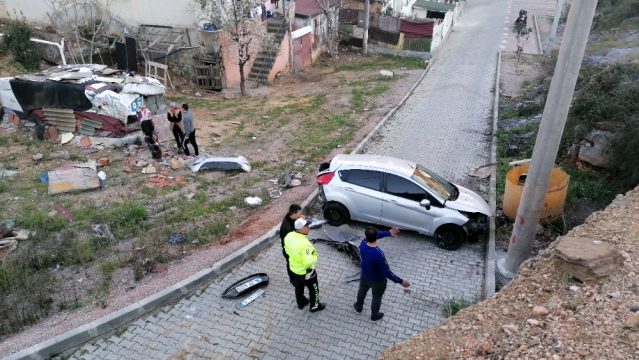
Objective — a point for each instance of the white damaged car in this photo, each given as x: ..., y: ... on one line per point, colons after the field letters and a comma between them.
x: 393, y: 192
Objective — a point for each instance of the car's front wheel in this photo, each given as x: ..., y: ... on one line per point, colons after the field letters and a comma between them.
x: 336, y: 214
x: 450, y: 237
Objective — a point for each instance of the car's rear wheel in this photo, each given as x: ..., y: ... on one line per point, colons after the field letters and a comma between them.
x: 450, y: 237
x: 336, y: 214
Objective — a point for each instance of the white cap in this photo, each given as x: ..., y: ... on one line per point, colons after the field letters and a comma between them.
x: 301, y: 222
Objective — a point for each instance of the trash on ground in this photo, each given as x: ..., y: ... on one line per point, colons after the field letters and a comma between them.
x: 343, y: 239
x: 7, y: 246
x: 23, y: 234
x: 102, y: 177
x: 103, y: 231
x: 253, y: 201
x: 4, y: 173
x: 90, y: 150
x: 481, y: 172
x: 221, y: 163
x: 176, y: 164
x: 37, y: 157
x: 65, y: 212
x: 256, y: 294
x: 275, y: 194
x: 149, y: 169
x: 176, y: 239
x: 245, y: 285
x: 160, y: 181
x: 386, y: 73
x: 6, y: 227
x: 103, y: 161
x: 73, y: 177
x: 66, y: 137
x: 44, y: 178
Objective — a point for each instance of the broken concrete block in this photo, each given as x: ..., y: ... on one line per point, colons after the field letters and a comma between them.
x: 176, y: 164
x: 586, y: 259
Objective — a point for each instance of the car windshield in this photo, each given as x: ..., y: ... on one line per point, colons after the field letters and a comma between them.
x: 434, y: 182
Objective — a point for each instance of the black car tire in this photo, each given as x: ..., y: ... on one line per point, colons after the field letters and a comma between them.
x: 450, y: 237
x: 336, y: 214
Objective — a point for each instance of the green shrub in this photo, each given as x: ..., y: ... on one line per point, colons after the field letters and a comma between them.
x: 17, y: 40
x: 454, y: 305
x: 25, y: 297
x: 609, y: 96
x: 612, y: 13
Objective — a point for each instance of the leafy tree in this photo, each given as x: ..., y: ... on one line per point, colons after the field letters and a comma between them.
x: 331, y: 9
x: 247, y: 35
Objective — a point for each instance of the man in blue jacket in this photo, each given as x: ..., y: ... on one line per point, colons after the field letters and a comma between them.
x: 375, y: 271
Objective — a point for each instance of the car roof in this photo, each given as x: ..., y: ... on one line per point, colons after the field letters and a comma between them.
x: 380, y: 162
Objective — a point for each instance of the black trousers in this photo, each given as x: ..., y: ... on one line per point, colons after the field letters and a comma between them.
x: 154, y: 147
x: 313, y: 289
x: 178, y: 135
x: 190, y: 139
x: 291, y: 275
x: 378, y: 290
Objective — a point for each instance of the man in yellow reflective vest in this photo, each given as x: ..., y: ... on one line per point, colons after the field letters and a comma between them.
x: 302, y: 258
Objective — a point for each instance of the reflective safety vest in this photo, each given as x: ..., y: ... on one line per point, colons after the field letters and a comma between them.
x: 301, y: 253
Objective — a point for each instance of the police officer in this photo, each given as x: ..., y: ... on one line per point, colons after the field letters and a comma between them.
x: 302, y: 259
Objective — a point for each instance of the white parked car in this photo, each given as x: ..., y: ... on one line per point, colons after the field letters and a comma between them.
x: 393, y: 192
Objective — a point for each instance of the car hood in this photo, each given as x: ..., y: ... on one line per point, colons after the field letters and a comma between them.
x: 469, y: 201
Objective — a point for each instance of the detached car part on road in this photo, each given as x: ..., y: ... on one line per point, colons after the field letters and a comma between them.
x: 394, y: 192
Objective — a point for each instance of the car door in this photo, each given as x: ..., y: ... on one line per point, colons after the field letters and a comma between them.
x: 401, y: 206
x: 362, y: 188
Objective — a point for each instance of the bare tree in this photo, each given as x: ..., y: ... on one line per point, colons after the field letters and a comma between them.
x: 331, y: 9
x: 236, y: 20
x: 85, y: 25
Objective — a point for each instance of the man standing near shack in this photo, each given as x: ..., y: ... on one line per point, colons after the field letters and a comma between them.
x: 288, y: 225
x: 375, y: 271
x: 302, y: 259
x: 189, y: 130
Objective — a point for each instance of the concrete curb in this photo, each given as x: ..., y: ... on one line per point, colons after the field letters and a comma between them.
x: 489, y: 274
x: 111, y: 322
x: 537, y: 35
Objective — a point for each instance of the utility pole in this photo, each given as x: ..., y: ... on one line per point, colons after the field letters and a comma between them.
x: 367, y: 16
x: 553, y: 29
x: 551, y: 129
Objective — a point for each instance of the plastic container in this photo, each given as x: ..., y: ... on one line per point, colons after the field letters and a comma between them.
x: 554, y: 200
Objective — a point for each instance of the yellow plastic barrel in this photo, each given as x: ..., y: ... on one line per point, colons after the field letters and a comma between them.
x: 553, y: 201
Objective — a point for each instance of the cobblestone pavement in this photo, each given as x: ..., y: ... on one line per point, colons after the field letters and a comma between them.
x: 442, y: 125
x: 272, y: 327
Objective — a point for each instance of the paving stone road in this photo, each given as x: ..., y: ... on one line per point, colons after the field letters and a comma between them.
x: 442, y: 125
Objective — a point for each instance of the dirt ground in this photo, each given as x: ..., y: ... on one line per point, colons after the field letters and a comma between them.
x: 546, y: 314
x: 263, y: 127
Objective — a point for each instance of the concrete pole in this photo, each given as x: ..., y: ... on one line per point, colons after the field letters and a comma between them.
x: 367, y: 15
x: 553, y: 29
x: 551, y: 129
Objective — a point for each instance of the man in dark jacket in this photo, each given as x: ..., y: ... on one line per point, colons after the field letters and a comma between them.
x: 288, y: 225
x: 375, y: 271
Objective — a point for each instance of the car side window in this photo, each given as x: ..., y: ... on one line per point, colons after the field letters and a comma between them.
x: 365, y: 178
x: 405, y: 188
